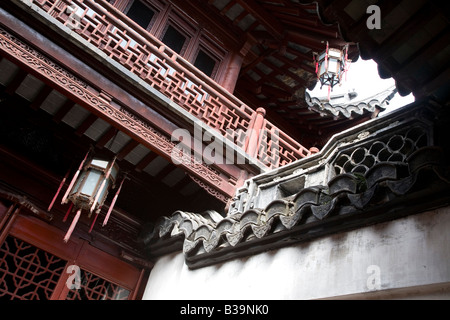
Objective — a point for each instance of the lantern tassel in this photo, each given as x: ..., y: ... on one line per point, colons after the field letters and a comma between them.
x: 346, y: 62
x: 105, y: 221
x: 72, y: 226
x: 64, y: 199
x: 98, y: 194
x: 93, y: 223
x: 59, y: 190
x: 68, y: 212
x: 329, y: 92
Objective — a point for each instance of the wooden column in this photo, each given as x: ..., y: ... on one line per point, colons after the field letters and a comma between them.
x: 254, y: 132
x: 235, y: 61
x: 7, y: 221
x: 232, y: 72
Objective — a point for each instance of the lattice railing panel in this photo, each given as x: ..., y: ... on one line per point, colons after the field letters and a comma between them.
x: 139, y: 52
x: 277, y: 149
x: 26, y: 272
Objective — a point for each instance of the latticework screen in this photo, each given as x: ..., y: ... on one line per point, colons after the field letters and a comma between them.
x: 27, y: 272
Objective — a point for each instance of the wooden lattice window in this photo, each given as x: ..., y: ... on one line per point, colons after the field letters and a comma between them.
x: 174, y: 39
x: 27, y: 272
x: 177, y: 31
x: 205, y: 63
x: 35, y: 264
x: 141, y: 14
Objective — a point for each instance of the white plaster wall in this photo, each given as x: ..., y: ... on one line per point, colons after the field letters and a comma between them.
x: 405, y: 258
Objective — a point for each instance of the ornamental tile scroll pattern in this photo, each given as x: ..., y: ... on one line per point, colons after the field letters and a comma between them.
x: 148, y: 58
x: 33, y: 59
x: 394, y: 148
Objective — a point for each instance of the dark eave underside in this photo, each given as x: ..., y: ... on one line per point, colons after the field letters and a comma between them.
x: 283, y: 35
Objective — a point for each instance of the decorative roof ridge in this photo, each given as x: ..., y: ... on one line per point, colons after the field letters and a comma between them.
x: 342, y: 197
x: 384, y: 169
x: 359, y: 107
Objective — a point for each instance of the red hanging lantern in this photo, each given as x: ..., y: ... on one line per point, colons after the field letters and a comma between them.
x: 331, y: 64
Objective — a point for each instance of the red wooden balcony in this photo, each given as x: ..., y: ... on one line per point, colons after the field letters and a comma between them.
x: 125, y: 42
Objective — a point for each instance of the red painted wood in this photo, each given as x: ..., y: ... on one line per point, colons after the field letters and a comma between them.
x: 77, y: 252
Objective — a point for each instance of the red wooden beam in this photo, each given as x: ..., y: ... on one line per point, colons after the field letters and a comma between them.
x: 146, y: 161
x: 127, y: 149
x: 166, y: 171
x: 65, y: 108
x: 86, y: 124
x: 265, y: 18
x: 37, y: 102
x: 298, y: 62
x: 16, y: 82
x: 182, y: 183
x: 107, y: 136
x: 306, y: 39
x: 260, y: 58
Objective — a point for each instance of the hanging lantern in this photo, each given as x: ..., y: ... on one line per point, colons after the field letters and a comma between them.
x: 331, y: 65
x: 89, y: 188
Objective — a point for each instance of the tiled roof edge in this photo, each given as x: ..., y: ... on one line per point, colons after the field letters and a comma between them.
x: 310, y: 209
x: 367, y: 105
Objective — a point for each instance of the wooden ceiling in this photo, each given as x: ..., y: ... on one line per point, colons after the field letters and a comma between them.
x: 412, y: 46
x: 281, y: 37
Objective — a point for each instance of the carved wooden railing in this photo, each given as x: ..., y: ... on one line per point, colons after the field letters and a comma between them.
x: 122, y: 40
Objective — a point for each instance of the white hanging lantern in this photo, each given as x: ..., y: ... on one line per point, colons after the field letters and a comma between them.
x: 89, y: 188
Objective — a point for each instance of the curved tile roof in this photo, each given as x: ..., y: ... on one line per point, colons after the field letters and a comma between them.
x: 348, y: 106
x: 306, y: 213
